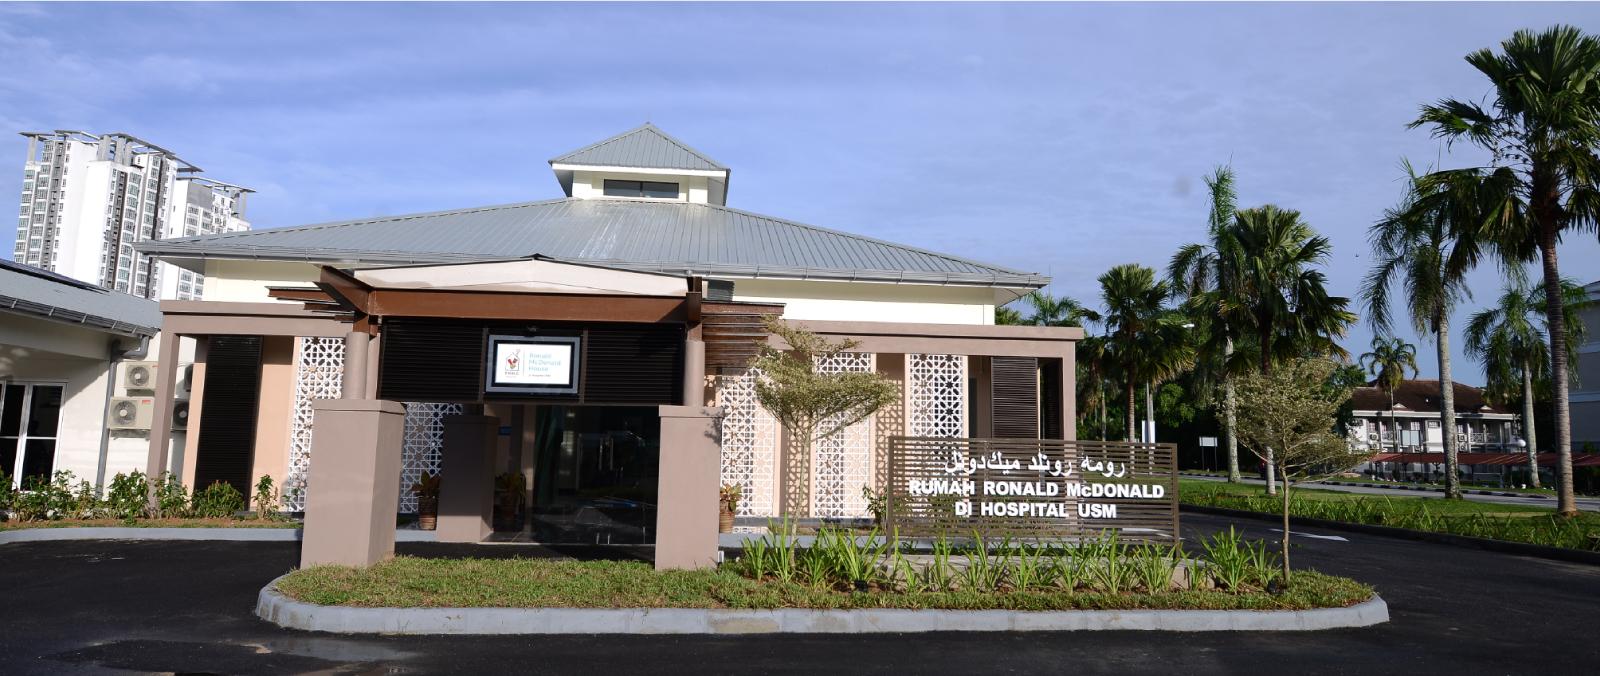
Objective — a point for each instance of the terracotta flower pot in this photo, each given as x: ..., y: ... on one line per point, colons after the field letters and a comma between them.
x: 725, y: 521
x: 427, y: 513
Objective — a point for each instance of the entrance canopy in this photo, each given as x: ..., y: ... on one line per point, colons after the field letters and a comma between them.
x: 534, y: 289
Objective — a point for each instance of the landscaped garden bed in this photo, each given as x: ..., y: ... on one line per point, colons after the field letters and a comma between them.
x: 1510, y: 523
x: 228, y: 522
x: 134, y: 501
x: 844, y: 573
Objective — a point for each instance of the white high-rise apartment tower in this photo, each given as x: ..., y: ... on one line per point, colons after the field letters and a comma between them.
x: 87, y: 199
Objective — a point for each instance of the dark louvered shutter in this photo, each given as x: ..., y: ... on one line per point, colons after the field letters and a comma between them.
x: 1050, y: 403
x: 431, y: 361
x: 1016, y: 397
x: 641, y: 365
x: 226, y: 447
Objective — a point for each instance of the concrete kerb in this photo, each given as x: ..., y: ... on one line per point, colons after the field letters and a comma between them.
x: 217, y: 534
x: 273, y: 606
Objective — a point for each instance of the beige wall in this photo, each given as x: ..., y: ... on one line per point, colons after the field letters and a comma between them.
x: 871, y: 302
x: 275, y: 414
x: 247, y: 281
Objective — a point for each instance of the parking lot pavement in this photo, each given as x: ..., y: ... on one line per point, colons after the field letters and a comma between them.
x: 186, y: 607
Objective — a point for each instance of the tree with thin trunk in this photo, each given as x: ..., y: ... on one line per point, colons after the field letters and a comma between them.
x: 1204, y: 274
x: 1541, y: 129
x: 810, y: 404
x: 1509, y: 340
x: 1388, y: 362
x: 1282, y: 293
x: 1146, y: 339
x: 1426, y: 245
x: 1287, y: 417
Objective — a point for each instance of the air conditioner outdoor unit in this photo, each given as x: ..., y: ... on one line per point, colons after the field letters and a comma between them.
x: 180, y: 415
x: 130, y: 413
x: 186, y: 385
x: 139, y: 375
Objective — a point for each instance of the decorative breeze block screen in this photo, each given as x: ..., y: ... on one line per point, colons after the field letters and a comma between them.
x: 424, y: 436
x: 841, y: 464
x: 749, y: 444
x: 936, y: 395
x: 319, y: 372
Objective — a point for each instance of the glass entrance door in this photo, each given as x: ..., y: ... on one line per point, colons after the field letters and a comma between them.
x: 30, y: 418
x: 595, y: 472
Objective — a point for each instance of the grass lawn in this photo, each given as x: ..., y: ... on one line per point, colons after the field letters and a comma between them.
x: 1512, y: 523
x: 1201, y: 487
x: 150, y: 523
x: 408, y: 582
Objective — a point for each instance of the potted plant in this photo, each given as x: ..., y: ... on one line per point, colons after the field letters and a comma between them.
x: 427, y: 491
x: 510, y: 490
x: 728, y: 497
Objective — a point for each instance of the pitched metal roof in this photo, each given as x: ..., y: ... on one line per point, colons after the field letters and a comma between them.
x: 676, y: 237
x: 40, y: 293
x: 1422, y: 396
x: 644, y: 147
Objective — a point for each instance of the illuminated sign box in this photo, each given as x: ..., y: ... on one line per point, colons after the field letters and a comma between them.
x: 535, y: 365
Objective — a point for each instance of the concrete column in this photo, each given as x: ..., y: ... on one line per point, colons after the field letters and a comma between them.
x: 694, y: 373
x: 353, y: 385
x: 466, y: 478
x: 354, y: 485
x: 161, y: 427
x: 373, y: 347
x: 686, y: 499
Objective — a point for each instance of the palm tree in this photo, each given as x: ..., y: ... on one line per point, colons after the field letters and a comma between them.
x: 1094, y: 372
x: 1005, y: 316
x: 1388, y: 362
x: 1204, y: 274
x: 1427, y: 244
x: 1049, y: 310
x: 1509, y: 340
x: 1147, y: 340
x: 1541, y: 129
x: 1281, y: 294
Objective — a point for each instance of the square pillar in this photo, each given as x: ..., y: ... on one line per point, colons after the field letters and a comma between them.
x: 686, y: 496
x: 466, y: 478
x: 355, y: 482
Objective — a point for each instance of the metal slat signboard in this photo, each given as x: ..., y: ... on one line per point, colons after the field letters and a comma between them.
x: 1031, y: 488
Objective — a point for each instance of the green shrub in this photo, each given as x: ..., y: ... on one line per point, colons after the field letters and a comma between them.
x: 7, y: 496
x: 1227, y: 559
x: 85, y: 502
x: 172, y: 499
x: 42, y: 500
x: 128, y: 496
x: 218, y: 500
x: 1154, y: 566
x: 267, y: 498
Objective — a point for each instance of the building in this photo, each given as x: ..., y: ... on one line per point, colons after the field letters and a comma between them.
x: 641, y: 273
x: 74, y: 394
x: 1488, y: 436
x: 1584, y: 393
x: 200, y: 206
x: 87, y: 199
x: 1480, y: 425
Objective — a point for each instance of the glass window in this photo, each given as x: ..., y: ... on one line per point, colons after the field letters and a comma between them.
x: 660, y: 189
x: 29, y: 418
x: 654, y: 189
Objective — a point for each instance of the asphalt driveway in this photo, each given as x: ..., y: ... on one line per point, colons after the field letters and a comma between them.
x: 186, y: 607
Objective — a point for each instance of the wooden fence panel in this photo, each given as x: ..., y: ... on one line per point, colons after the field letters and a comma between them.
x: 1031, y: 488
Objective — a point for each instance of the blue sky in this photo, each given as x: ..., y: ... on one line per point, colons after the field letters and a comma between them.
x: 1053, y: 138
